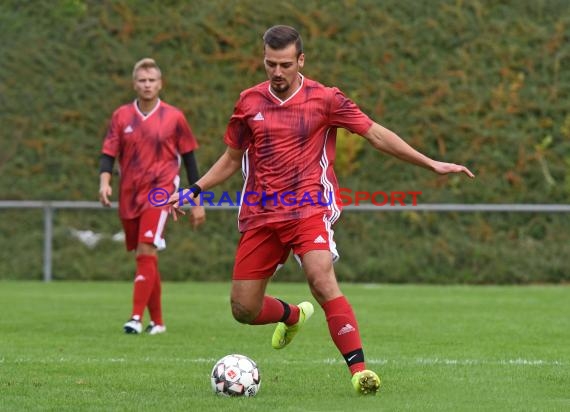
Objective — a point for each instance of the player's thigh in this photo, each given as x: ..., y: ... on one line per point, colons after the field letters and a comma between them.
x: 151, y: 228
x: 314, y: 246
x: 259, y: 254
x: 319, y: 270
x: 131, y: 231
x: 311, y: 233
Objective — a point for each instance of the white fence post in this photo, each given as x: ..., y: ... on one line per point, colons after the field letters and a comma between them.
x: 48, y: 241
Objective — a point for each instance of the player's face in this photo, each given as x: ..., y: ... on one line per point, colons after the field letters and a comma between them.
x: 282, y: 68
x: 147, y: 84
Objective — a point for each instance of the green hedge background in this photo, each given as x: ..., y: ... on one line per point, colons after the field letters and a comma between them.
x: 484, y: 83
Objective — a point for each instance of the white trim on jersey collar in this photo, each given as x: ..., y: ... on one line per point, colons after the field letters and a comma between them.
x: 294, y: 93
x: 146, y: 116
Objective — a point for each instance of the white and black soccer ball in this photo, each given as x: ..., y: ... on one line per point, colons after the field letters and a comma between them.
x: 235, y: 375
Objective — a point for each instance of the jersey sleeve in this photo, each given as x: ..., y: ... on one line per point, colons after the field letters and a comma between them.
x: 346, y: 114
x: 238, y: 133
x: 186, y: 141
x: 111, y: 143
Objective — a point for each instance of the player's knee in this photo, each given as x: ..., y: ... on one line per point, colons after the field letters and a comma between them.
x: 146, y: 249
x: 241, y: 313
x: 323, y: 289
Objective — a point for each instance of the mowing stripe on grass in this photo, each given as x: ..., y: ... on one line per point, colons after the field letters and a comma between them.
x: 403, y: 361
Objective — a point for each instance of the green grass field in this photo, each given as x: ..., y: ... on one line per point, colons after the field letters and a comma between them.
x: 436, y: 349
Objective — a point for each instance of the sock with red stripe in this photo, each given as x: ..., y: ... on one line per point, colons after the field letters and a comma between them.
x: 344, y: 332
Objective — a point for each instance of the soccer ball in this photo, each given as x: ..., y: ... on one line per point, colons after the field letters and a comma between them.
x: 235, y: 375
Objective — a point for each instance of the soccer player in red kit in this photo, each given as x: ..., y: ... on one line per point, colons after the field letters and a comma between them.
x: 149, y: 138
x: 282, y: 134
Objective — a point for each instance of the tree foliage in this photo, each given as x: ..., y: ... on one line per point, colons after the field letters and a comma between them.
x: 483, y: 82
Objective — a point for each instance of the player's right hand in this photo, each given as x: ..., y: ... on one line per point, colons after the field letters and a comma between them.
x: 105, y: 192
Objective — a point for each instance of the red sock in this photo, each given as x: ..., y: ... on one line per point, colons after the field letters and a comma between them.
x: 275, y: 310
x: 155, y: 301
x: 344, y: 332
x: 145, y: 278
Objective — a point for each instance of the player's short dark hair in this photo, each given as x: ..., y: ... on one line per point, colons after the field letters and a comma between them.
x: 280, y: 36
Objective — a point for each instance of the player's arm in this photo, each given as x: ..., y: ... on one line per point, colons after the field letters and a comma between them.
x: 226, y: 165
x: 197, y: 213
x: 390, y: 143
x: 106, y: 163
x: 191, y: 166
x: 224, y: 168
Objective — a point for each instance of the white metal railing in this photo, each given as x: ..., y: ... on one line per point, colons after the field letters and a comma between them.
x: 49, y: 206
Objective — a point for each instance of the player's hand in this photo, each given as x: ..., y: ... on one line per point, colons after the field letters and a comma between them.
x: 173, y: 204
x: 197, y: 216
x: 175, y: 211
x: 176, y: 200
x: 443, y: 168
x: 105, y: 192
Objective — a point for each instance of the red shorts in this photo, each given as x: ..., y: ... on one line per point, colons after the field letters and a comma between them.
x: 261, y: 251
x: 147, y: 228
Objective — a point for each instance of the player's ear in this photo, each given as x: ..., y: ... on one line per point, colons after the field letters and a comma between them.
x: 301, y: 60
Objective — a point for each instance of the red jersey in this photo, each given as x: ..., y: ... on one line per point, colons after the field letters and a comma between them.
x: 290, y: 151
x: 148, y: 149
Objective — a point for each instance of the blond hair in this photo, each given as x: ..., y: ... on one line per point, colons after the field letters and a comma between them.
x: 146, y: 63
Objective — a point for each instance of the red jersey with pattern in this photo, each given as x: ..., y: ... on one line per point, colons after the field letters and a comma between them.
x: 148, y: 149
x: 290, y: 151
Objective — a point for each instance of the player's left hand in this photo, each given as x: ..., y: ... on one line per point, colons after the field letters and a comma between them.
x: 197, y: 216
x: 177, y: 199
x: 443, y: 168
x: 173, y: 204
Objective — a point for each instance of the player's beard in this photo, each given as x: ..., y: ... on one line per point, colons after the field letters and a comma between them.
x: 280, y: 88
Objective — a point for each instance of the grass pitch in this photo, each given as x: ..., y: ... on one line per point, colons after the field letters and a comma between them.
x: 436, y: 349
